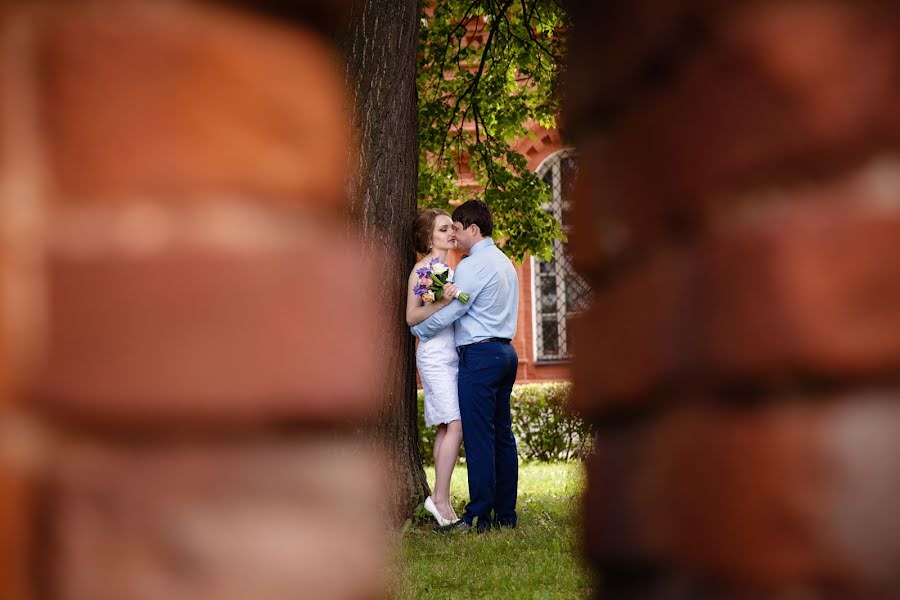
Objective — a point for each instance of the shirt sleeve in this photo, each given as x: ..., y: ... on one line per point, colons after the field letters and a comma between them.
x: 468, y: 281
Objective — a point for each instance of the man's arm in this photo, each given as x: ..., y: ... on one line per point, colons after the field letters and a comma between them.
x: 428, y: 328
x: 467, y: 281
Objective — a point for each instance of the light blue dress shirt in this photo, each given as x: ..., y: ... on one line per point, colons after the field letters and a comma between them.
x: 490, y: 279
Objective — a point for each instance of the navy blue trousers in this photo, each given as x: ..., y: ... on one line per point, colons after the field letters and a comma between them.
x: 487, y: 373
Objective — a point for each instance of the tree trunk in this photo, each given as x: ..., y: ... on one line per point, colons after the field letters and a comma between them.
x: 380, y: 47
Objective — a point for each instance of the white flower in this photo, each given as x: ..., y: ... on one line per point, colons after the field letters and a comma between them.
x: 428, y: 297
x: 439, y: 268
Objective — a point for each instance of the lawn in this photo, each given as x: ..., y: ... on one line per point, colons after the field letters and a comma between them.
x: 536, y: 560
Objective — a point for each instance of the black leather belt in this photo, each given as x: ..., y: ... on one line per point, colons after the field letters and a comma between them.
x: 498, y: 340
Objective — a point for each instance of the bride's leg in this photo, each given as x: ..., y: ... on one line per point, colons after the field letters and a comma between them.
x: 438, y: 441
x: 445, y: 457
x: 436, y: 494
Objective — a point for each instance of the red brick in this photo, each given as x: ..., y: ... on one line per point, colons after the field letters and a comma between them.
x: 14, y: 520
x: 4, y: 100
x: 16, y: 510
x: 639, y: 335
x: 529, y: 370
x: 793, y: 496
x: 737, y: 128
x: 780, y: 90
x: 246, y: 519
x: 175, y: 100
x: 4, y: 219
x: 324, y: 15
x: 201, y: 332
x: 796, y: 284
x: 744, y: 495
x: 836, y: 59
x: 599, y: 233
x: 615, y: 42
x: 5, y: 351
x: 808, y: 288
x: 13, y: 536
x: 829, y: 55
x: 615, y: 503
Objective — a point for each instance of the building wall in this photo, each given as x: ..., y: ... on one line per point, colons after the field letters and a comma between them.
x: 537, y: 150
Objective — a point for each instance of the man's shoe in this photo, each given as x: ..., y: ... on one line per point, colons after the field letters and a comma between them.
x: 453, y: 527
x: 482, y: 524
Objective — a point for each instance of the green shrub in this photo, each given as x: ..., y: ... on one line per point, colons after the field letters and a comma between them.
x: 544, y: 430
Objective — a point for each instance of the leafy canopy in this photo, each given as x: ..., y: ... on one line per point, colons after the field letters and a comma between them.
x: 487, y: 68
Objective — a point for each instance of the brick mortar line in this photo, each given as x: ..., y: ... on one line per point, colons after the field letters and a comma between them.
x: 871, y: 188
x: 146, y: 226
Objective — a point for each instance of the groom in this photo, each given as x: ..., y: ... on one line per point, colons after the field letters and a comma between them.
x: 484, y: 328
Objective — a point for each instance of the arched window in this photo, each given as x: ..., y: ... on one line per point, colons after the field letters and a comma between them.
x: 559, y: 292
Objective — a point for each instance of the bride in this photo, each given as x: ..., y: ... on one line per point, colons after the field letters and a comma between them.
x: 437, y: 361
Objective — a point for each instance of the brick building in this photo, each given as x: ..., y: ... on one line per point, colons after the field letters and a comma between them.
x: 551, y: 292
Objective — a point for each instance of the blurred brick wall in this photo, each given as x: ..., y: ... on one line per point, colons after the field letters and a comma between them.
x: 739, y: 215
x: 180, y: 373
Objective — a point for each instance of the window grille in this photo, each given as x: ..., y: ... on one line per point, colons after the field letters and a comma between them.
x: 559, y: 292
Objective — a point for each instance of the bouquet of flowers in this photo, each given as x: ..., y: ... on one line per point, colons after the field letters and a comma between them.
x: 432, y: 279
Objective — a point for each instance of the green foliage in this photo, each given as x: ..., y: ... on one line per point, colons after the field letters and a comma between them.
x: 538, y: 559
x: 544, y: 430
x: 475, y: 98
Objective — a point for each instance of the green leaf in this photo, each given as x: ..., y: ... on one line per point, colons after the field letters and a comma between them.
x: 495, y: 86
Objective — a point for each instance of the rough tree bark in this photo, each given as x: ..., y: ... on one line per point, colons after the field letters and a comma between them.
x: 380, y: 47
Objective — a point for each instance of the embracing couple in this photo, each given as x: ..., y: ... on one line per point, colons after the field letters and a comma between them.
x: 467, y: 364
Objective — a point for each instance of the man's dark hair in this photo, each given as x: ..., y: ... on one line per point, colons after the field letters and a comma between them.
x: 477, y: 212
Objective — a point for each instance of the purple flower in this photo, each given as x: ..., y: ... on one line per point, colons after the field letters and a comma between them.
x: 419, y: 290
x: 423, y: 272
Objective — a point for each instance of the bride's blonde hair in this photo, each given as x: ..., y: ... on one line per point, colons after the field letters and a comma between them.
x: 423, y: 227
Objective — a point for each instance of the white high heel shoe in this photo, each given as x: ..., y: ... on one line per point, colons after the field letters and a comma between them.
x: 430, y: 507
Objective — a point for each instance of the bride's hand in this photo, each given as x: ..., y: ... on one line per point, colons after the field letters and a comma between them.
x: 450, y: 291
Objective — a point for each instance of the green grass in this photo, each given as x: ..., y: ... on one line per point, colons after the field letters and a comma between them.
x: 538, y: 559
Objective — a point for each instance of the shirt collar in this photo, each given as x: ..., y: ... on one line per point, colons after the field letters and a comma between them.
x: 485, y: 243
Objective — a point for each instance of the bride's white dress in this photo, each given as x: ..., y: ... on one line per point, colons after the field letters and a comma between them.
x: 438, y: 366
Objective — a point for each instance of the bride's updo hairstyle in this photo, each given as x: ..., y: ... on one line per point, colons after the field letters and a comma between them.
x: 423, y: 227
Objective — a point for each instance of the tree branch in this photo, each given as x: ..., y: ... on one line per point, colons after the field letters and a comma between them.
x: 472, y: 88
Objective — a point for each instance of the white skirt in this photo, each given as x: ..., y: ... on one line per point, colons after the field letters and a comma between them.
x: 438, y: 367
